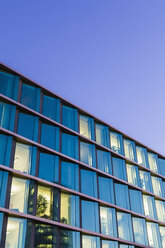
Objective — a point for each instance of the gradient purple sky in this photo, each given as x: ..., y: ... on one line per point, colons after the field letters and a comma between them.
x: 106, y: 56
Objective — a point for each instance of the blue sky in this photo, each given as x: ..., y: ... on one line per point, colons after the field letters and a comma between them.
x: 106, y: 56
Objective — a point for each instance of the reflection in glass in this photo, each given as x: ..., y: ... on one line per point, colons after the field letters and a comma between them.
x: 145, y: 180
x: 3, y: 187
x: 129, y: 149
x: 124, y: 226
x: 5, y: 148
x: 70, y: 117
x: 162, y: 166
x: 31, y: 96
x: 50, y: 136
x: 70, y: 209
x: 108, y: 221
x: 87, y: 127
x: 136, y: 201
x: 157, y: 186
x: 87, y: 154
x: 106, y: 185
x: 121, y: 195
x: 104, y: 161
x: 119, y: 169
x: 153, y: 162
x: 45, y: 236
x: 160, y: 208
x: 7, y: 115
x: 133, y: 174
x: 70, y: 145
x: 102, y: 135
x: 140, y: 233
x: 89, y: 183
x: 90, y: 241
x: 109, y: 244
x: 149, y: 206
x: 51, y: 107
x: 116, y: 142
x: 69, y: 239
x: 22, y: 159
x: 9, y: 85
x: 142, y: 156
x: 153, y: 234
x: 70, y: 175
x: 162, y: 234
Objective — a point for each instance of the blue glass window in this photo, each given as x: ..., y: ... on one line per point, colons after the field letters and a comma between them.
x: 31, y: 97
x: 136, y: 201
x: 104, y: 161
x: 116, y: 142
x: 157, y: 186
x: 108, y: 221
x: 133, y: 175
x: 160, y: 208
x: 102, y: 135
x: 90, y: 241
x: 7, y: 115
x: 153, y: 234
x: 9, y: 85
x: 70, y: 117
x: 162, y: 166
x: 89, y: 183
x: 28, y: 126
x: 1, y: 224
x: 153, y: 162
x: 140, y: 233
x: 119, y: 169
x: 70, y: 175
x: 106, y: 191
x: 51, y: 107
x: 121, y: 195
x: 145, y: 180
x: 87, y: 127
x: 149, y: 206
x: 109, y: 244
x: 3, y: 187
x: 50, y: 136
x: 70, y: 145
x: 5, y: 148
x: 129, y: 149
x: 90, y: 216
x: 142, y: 158
x: 69, y: 239
x: 124, y: 226
x: 88, y: 154
x: 69, y: 213
x: 49, y: 167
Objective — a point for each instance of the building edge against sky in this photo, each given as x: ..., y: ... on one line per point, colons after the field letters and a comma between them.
x: 68, y: 179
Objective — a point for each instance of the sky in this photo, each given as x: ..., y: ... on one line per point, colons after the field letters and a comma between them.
x: 106, y: 56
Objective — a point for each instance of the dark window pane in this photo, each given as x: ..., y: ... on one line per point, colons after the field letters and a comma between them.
x: 50, y: 136
x: 1, y: 224
x: 104, y: 161
x: 45, y: 236
x: 69, y: 239
x: 31, y: 96
x: 162, y: 166
x: 51, y: 107
x: 3, y: 187
x: 70, y: 117
x: 87, y: 127
x: 106, y: 191
x: 89, y: 183
x: 116, y: 142
x: 121, y: 195
x: 7, y: 116
x: 70, y: 145
x: 5, y: 148
x: 136, y: 201
x: 102, y: 135
x: 9, y: 85
x: 87, y: 154
x: 70, y: 175
x: 119, y: 169
x: 49, y: 167
x: 108, y: 221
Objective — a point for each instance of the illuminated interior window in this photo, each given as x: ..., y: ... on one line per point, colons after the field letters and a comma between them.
x: 116, y: 142
x: 152, y: 158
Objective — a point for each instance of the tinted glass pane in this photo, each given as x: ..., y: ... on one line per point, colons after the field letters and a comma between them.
x: 90, y: 218
x: 133, y: 174
x: 3, y: 187
x: 157, y: 186
x: 162, y: 166
x: 129, y: 149
x: 31, y: 96
x: 102, y: 135
x: 48, y: 167
x: 142, y: 156
x: 162, y: 234
x: 70, y: 145
x: 160, y: 208
x: 70, y: 175
x: 70, y: 210
x: 9, y: 85
x: 153, y: 234
x: 145, y: 180
x: 89, y: 183
x: 70, y: 117
x: 124, y: 226
x: 50, y: 136
x: 140, y: 234
x: 108, y: 221
x: 7, y: 115
x: 119, y: 169
x: 116, y: 142
x: 90, y: 242
x: 87, y: 127
x: 121, y: 195
x: 69, y: 239
x: 45, y: 236
x: 1, y: 224
x: 87, y: 154
x: 51, y: 107
x: 109, y: 244
x: 104, y: 161
x: 136, y: 201
x: 153, y: 162
x: 5, y: 148
x: 106, y: 191
x: 149, y: 206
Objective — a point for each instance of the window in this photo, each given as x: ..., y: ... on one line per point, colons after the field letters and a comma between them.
x: 108, y: 221
x: 87, y: 154
x: 70, y: 210
x: 142, y: 156
x: 133, y: 174
x: 106, y: 185
x: 70, y: 175
x: 28, y: 126
x: 109, y: 244
x: 69, y: 239
x: 136, y: 201
x: 116, y: 142
x: 157, y: 186
x: 5, y: 148
x: 3, y: 187
x: 47, y: 202
x: 162, y: 234
x: 160, y: 208
x: 31, y: 97
x: 104, y: 161
x: 9, y: 85
x: 19, y: 195
x: 162, y: 166
x: 70, y: 117
x: 140, y: 233
x: 153, y: 234
x: 153, y: 162
x: 102, y: 135
x: 90, y: 217
x: 129, y: 149
x: 89, y: 183
x: 50, y: 136
x: 119, y: 169
x: 121, y: 196
x: 127, y: 246
x: 145, y: 180
x: 49, y: 167
x: 16, y: 232
x: 45, y: 235
x: 7, y: 116
x: 124, y: 226
x: 149, y: 206
x: 70, y: 145
x: 87, y: 127
x: 90, y: 241
x: 1, y: 224
x: 25, y: 158
x: 51, y: 108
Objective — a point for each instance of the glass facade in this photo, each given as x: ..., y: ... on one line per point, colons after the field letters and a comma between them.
x: 68, y: 180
